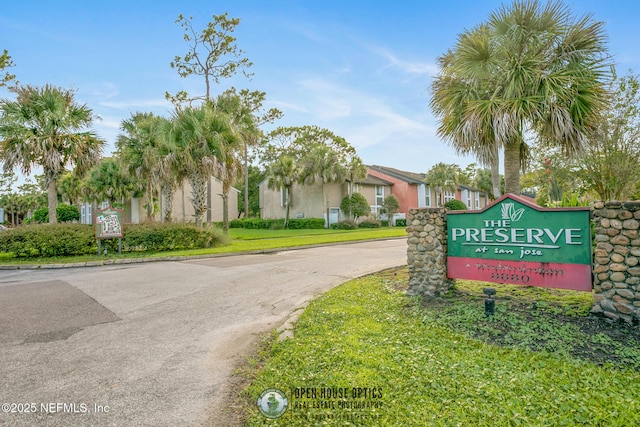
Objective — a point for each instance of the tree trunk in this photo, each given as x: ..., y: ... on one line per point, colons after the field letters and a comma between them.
x: 168, y: 190
x: 225, y: 211
x: 198, y: 195
x: 288, y: 206
x: 52, y: 200
x: 246, y: 182
x: 326, y: 204
x: 150, y: 206
x: 512, y: 167
x: 495, y: 173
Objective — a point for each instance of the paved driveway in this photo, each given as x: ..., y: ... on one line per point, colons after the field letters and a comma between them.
x: 153, y: 344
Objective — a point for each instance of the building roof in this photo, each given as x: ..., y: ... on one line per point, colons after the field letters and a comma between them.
x: 412, y: 177
x: 466, y: 187
x: 374, y: 180
x: 409, y: 177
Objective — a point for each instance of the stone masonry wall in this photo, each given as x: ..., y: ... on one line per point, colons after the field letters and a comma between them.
x: 616, y: 269
x: 427, y: 252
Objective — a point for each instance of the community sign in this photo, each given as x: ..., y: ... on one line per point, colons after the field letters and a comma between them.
x: 515, y: 241
x: 108, y: 223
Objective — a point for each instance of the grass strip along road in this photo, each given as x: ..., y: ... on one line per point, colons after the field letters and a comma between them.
x: 366, y: 354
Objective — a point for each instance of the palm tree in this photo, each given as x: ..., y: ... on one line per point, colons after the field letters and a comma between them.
x: 444, y: 177
x: 70, y: 187
x: 247, y: 115
x: 108, y: 181
x: 530, y: 69
x: 234, y: 159
x: 170, y: 171
x: 139, y: 150
x: 200, y: 135
x: 355, y: 170
x: 231, y: 168
x: 44, y: 127
x: 323, y: 165
x: 282, y: 174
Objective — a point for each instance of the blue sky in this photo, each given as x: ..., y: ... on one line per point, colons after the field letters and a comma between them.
x: 361, y: 69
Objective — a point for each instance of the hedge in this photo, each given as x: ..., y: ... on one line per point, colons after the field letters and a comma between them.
x: 48, y: 240
x: 455, y: 205
x: 269, y: 224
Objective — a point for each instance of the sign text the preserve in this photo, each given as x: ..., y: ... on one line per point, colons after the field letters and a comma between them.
x: 515, y: 241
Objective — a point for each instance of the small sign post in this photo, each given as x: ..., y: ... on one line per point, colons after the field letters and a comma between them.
x: 515, y: 241
x: 108, y: 223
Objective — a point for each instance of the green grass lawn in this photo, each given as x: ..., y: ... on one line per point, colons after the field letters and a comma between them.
x: 240, y: 240
x: 537, y: 362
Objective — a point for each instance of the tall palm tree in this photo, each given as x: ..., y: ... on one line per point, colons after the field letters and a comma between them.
x: 200, y: 135
x: 46, y: 127
x: 444, y: 177
x: 139, y: 148
x: 354, y: 170
x: 323, y: 165
x: 70, y: 187
x: 529, y: 70
x: 230, y: 170
x: 108, y: 181
x: 281, y: 174
x: 171, y: 172
x: 247, y: 115
x: 234, y: 159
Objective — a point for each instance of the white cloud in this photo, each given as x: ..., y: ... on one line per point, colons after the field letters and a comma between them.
x: 135, y: 104
x: 103, y: 90
x: 289, y: 106
x: 415, y: 68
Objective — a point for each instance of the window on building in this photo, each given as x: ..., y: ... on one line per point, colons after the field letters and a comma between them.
x: 379, y: 195
x: 477, y: 200
x: 467, y: 194
x: 427, y: 196
x: 449, y: 195
x: 284, y: 194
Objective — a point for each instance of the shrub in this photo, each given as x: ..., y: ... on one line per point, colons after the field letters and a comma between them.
x: 369, y: 223
x: 277, y: 224
x: 346, y: 224
x: 64, y: 213
x: 306, y: 223
x: 455, y: 205
x: 255, y: 223
x: 41, y: 215
x: 169, y: 236
x: 67, y: 213
x: 236, y: 223
x: 47, y: 240
x: 355, y: 205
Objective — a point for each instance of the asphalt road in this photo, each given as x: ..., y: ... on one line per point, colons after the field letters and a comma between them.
x: 153, y: 344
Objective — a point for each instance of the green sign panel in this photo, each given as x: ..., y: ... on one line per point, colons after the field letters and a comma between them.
x: 516, y: 241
